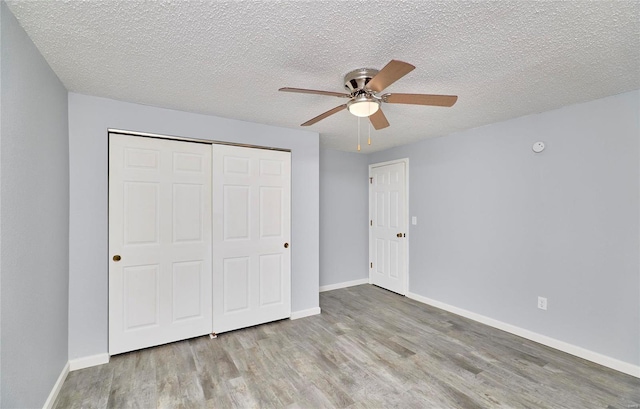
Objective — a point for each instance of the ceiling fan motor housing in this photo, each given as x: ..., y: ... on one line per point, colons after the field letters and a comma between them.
x: 356, y: 80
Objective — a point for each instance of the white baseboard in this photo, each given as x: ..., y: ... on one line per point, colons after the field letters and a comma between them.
x: 48, y: 404
x: 88, y: 361
x: 344, y: 284
x: 625, y: 367
x: 304, y: 313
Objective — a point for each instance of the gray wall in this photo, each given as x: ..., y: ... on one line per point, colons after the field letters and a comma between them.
x: 500, y: 225
x: 89, y: 119
x: 34, y: 217
x: 2, y: 8
x: 344, y: 214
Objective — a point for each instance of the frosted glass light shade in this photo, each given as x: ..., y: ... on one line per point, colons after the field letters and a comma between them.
x: 364, y: 107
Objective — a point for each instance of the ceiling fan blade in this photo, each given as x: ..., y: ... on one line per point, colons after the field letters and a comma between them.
x: 391, y: 73
x: 326, y: 114
x: 421, y: 99
x: 378, y: 120
x: 313, y: 91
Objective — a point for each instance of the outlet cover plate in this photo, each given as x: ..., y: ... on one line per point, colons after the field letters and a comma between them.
x: 542, y: 303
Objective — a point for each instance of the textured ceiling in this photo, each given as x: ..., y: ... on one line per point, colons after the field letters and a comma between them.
x: 503, y: 59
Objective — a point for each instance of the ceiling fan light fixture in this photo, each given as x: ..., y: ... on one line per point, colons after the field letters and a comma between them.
x: 363, y: 106
x: 364, y: 86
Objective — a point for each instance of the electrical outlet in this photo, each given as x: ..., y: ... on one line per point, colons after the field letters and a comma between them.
x: 542, y: 303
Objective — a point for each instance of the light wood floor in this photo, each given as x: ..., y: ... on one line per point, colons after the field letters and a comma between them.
x: 368, y: 349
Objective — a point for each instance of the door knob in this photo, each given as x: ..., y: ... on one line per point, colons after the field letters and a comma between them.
x: 399, y: 235
x: 117, y: 257
x: 286, y: 245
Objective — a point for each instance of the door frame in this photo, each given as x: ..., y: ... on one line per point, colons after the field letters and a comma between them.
x: 405, y: 161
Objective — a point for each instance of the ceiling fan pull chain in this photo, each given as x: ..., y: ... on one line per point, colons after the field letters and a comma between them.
x: 358, y: 134
x: 369, y: 140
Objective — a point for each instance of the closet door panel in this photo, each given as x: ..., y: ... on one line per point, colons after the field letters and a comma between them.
x: 160, y: 241
x: 252, y: 231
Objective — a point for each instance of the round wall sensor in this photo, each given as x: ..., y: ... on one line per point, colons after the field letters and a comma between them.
x: 538, y: 147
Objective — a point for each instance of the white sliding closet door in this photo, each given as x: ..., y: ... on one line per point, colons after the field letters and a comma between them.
x: 251, y: 254
x: 160, y: 241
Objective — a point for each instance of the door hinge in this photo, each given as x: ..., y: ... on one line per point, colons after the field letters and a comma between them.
x: 371, y: 181
x: 370, y: 265
x: 370, y: 222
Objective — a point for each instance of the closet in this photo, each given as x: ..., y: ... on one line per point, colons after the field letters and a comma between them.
x: 199, y: 239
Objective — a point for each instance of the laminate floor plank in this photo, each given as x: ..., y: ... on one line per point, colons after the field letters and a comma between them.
x: 96, y: 393
x: 121, y: 393
x: 168, y: 392
x: 70, y: 395
x: 240, y: 395
x: 370, y: 348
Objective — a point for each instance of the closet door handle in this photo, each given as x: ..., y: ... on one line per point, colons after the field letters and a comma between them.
x: 286, y: 245
x: 117, y: 258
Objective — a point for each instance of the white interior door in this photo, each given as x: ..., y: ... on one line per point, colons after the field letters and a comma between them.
x: 160, y: 228
x: 387, y: 240
x: 252, y: 232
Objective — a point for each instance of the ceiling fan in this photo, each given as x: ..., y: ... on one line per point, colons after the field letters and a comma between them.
x: 365, y: 85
